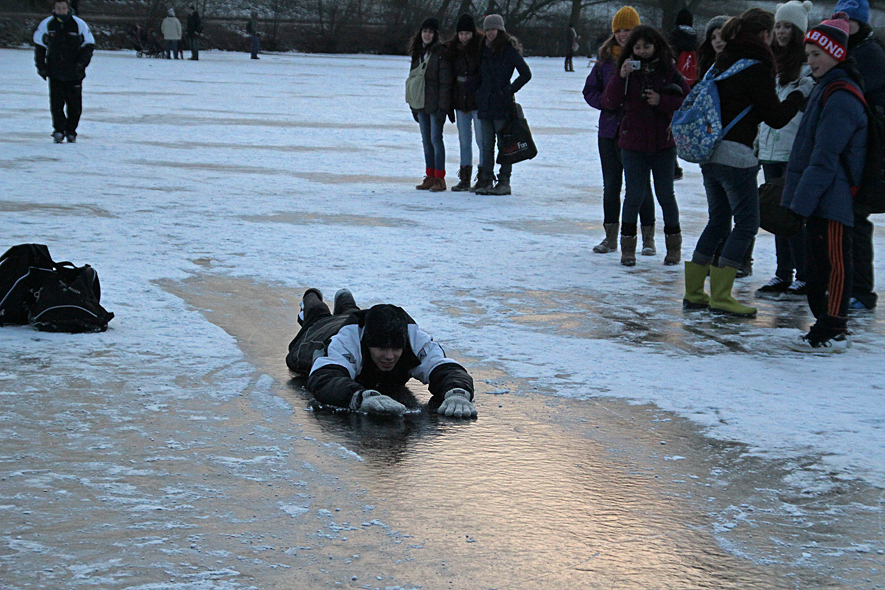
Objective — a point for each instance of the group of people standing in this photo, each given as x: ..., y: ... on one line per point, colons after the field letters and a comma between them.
x: 172, y: 34
x: 786, y: 100
x: 468, y: 80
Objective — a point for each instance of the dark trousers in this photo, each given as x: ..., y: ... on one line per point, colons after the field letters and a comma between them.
x: 829, y: 270
x: 65, y: 93
x: 790, y: 252
x: 568, y: 63
x: 195, y: 47
x: 637, y: 167
x: 256, y: 46
x: 862, y: 256
x: 612, y: 181
x: 318, y: 325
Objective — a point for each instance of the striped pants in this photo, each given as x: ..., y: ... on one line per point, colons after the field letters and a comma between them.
x: 829, y: 271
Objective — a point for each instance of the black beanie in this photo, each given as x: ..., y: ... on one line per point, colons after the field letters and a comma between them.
x: 430, y: 23
x: 466, y: 23
x: 385, y: 327
x: 684, y: 17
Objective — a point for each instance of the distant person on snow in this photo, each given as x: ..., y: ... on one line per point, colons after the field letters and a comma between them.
x: 171, y: 29
x: 252, y: 29
x: 63, y: 47
x: 194, y: 28
x: 361, y: 359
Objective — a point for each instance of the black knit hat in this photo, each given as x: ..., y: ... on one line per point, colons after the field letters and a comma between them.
x: 684, y: 17
x: 385, y: 327
x: 430, y: 23
x: 466, y: 23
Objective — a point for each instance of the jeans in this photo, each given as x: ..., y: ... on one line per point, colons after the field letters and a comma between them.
x: 790, y: 251
x: 465, y: 120
x: 432, y: 138
x: 256, y: 45
x: 490, y: 129
x: 637, y: 166
x: 62, y: 93
x: 171, y: 49
x: 731, y: 193
x: 195, y: 47
x: 612, y: 174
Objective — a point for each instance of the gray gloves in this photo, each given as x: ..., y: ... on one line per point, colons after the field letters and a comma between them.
x: 370, y: 401
x: 457, y: 404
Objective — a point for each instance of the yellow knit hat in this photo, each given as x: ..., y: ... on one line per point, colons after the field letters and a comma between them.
x: 625, y: 18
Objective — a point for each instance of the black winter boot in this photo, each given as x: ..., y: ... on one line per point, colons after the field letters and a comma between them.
x: 464, y: 175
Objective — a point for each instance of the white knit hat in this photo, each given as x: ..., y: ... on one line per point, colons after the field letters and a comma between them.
x: 795, y: 13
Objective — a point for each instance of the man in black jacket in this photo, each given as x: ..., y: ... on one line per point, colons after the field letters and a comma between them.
x: 194, y: 28
x: 361, y: 359
x: 63, y: 47
x: 869, y: 54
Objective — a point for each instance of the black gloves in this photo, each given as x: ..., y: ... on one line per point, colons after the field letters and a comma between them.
x: 42, y: 72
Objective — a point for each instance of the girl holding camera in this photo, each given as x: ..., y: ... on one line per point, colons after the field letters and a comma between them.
x: 649, y: 89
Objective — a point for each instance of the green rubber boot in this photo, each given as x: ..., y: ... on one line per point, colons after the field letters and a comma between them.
x: 695, y: 276
x: 721, y: 301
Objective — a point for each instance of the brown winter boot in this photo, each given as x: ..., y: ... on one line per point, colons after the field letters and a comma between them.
x: 439, y: 185
x: 648, y: 240
x: 464, y: 176
x: 610, y: 243
x: 428, y: 182
x: 484, y: 179
x: 628, y: 250
x: 674, y: 249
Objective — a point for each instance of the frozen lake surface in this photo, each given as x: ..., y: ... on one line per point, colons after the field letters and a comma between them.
x: 620, y: 442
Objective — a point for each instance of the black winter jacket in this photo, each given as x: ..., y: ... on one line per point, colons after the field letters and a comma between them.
x: 755, y: 85
x: 465, y: 69
x: 494, y: 99
x: 194, y: 24
x: 867, y: 51
x: 63, y: 47
x: 437, y: 81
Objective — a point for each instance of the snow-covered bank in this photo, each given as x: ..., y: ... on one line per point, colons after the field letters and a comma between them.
x: 299, y: 170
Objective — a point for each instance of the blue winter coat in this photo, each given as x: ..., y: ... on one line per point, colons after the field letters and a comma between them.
x: 599, y: 76
x: 494, y: 97
x: 816, y: 182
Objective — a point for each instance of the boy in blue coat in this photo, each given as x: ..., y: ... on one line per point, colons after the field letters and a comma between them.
x: 830, y: 149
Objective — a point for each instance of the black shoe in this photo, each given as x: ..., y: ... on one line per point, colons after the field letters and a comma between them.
x: 775, y: 287
x: 798, y: 291
x: 677, y: 173
x: 72, y: 138
x: 314, y: 290
x: 343, y: 300
x: 58, y: 137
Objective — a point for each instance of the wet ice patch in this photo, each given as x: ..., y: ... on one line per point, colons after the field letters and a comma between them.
x: 293, y: 510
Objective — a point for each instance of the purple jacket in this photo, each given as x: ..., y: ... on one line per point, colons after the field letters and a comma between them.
x: 593, y: 89
x: 645, y: 128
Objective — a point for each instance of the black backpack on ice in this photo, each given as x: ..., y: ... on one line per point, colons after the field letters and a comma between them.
x: 23, y: 269
x: 52, y: 296
x: 68, y: 301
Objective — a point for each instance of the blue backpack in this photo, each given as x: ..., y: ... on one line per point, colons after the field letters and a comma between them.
x: 697, y: 125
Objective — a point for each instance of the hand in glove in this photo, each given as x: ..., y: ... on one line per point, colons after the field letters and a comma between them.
x: 370, y: 401
x: 42, y: 73
x: 457, y: 404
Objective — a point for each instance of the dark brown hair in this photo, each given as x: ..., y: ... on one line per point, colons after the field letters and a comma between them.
x: 416, y: 46
x: 750, y: 23
x: 789, y: 58
x: 606, y: 51
x: 663, y: 51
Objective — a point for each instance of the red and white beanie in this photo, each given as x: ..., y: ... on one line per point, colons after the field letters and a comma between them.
x: 831, y: 36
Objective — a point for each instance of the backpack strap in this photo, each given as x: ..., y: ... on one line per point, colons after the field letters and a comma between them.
x: 734, y: 121
x: 832, y: 88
